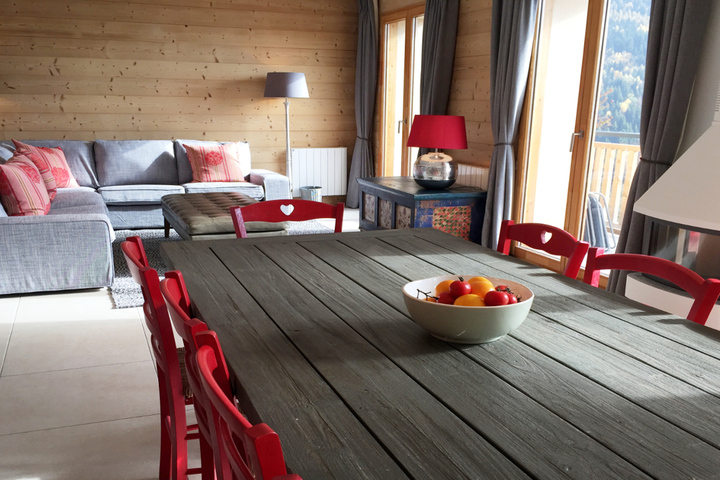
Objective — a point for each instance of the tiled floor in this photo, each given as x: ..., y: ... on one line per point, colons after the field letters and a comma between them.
x: 78, y: 392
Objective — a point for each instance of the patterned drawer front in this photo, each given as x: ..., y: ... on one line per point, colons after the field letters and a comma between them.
x: 385, y: 217
x: 453, y: 220
x: 403, y: 217
x: 368, y: 207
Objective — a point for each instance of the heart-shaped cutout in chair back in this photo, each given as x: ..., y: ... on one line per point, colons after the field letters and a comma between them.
x: 545, y: 237
x: 287, y: 209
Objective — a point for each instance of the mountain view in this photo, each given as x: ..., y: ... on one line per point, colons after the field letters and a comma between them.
x: 623, y: 72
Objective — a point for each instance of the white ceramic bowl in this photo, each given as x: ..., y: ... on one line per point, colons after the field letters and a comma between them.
x: 460, y: 324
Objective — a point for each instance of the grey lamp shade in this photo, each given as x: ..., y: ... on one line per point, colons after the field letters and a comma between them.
x: 286, y: 84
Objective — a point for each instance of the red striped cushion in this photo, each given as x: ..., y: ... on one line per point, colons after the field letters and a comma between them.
x: 22, y: 189
x: 216, y: 163
x: 54, y: 158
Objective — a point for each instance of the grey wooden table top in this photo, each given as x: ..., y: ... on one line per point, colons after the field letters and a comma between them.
x: 592, y: 385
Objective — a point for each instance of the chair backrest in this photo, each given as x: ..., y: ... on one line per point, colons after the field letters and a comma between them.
x: 134, y: 253
x: 547, y: 238
x: 704, y: 291
x: 252, y: 451
x: 285, y: 211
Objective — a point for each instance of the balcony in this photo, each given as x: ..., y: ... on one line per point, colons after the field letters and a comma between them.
x: 610, y: 172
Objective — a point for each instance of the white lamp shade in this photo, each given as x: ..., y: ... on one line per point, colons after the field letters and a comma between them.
x: 688, y: 194
x: 286, y: 85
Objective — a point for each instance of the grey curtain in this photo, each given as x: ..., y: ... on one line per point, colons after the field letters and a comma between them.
x: 676, y: 31
x: 438, y: 55
x: 513, y: 28
x: 366, y: 66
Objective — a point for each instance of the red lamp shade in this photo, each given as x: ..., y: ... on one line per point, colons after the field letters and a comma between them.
x: 438, y: 131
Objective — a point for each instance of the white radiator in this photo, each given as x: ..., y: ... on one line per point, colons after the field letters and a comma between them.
x: 324, y: 167
x: 473, y: 176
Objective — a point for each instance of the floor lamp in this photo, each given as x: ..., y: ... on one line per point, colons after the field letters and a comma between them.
x: 288, y: 85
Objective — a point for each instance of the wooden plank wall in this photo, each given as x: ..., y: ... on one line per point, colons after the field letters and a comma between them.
x: 470, y: 91
x: 162, y: 69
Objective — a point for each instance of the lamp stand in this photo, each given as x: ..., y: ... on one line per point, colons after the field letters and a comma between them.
x: 288, y: 160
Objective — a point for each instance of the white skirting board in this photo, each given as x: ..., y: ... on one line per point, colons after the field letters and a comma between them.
x: 323, y: 167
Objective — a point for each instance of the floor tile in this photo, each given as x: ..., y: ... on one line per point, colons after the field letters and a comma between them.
x: 79, y: 396
x: 8, y: 310
x: 71, y: 306
x: 43, y: 346
x: 121, y: 449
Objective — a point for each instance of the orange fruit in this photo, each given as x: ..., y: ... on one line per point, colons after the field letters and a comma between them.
x: 431, y: 299
x: 443, y: 286
x: 481, y: 287
x: 470, y: 300
x: 479, y: 279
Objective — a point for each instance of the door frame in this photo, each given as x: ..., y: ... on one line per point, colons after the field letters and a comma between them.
x: 584, y: 120
x: 407, y: 13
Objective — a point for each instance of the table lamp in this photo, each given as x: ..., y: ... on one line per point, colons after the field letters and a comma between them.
x: 437, y: 170
x: 288, y: 85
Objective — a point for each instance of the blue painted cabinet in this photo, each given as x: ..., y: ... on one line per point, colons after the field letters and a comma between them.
x: 399, y: 202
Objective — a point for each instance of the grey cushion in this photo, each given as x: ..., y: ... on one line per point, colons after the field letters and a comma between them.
x: 129, y: 162
x: 136, y: 216
x: 78, y: 153
x: 246, y: 188
x: 137, y: 194
x: 77, y: 197
x: 185, y: 171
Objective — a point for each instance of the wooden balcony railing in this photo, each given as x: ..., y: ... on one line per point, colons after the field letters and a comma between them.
x: 612, y: 166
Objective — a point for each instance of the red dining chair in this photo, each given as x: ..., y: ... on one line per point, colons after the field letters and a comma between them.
x: 547, y: 238
x: 704, y: 291
x: 285, y: 211
x: 252, y: 452
x: 172, y: 381
x: 177, y: 301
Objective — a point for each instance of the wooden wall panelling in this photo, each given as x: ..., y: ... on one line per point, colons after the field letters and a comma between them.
x: 155, y: 69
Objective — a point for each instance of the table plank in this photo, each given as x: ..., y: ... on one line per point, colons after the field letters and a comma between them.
x: 327, y: 440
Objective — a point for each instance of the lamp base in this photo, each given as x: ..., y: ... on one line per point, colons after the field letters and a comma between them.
x: 435, y: 171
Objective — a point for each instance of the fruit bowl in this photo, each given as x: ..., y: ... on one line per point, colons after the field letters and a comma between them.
x: 460, y: 324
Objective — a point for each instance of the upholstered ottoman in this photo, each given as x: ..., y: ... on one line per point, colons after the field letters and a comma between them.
x: 206, y: 216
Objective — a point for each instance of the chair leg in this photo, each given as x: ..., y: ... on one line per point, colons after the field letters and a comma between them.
x: 207, y: 459
x: 165, y: 450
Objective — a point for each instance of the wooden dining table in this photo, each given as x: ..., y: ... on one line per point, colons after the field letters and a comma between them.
x: 315, y: 331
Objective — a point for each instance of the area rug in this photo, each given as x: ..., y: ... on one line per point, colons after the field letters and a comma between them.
x: 126, y: 293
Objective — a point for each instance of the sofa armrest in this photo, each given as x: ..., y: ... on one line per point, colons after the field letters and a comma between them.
x: 277, y: 187
x: 50, y: 253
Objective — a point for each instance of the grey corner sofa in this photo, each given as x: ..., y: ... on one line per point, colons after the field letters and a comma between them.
x: 121, y: 185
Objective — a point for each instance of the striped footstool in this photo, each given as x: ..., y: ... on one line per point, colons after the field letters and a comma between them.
x: 206, y: 216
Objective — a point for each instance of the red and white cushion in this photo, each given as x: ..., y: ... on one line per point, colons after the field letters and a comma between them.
x: 54, y: 158
x: 22, y: 189
x: 216, y: 163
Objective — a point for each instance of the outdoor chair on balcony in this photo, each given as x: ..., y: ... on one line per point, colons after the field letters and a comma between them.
x: 598, y: 225
x: 285, y: 211
x: 250, y: 452
x: 705, y: 292
x: 552, y: 240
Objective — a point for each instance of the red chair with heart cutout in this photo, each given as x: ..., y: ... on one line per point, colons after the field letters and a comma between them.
x: 285, y: 211
x: 177, y: 300
x: 251, y: 452
x: 172, y: 384
x: 705, y: 292
x: 547, y: 238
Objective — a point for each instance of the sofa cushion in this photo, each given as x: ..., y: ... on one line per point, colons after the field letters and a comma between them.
x: 131, y: 162
x: 38, y: 156
x: 22, y: 189
x: 246, y: 188
x: 78, y: 197
x: 217, y: 163
x: 137, y: 194
x: 78, y: 153
x: 185, y: 173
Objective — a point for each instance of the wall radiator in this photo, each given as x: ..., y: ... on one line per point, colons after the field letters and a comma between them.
x: 324, y: 167
x: 473, y: 176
